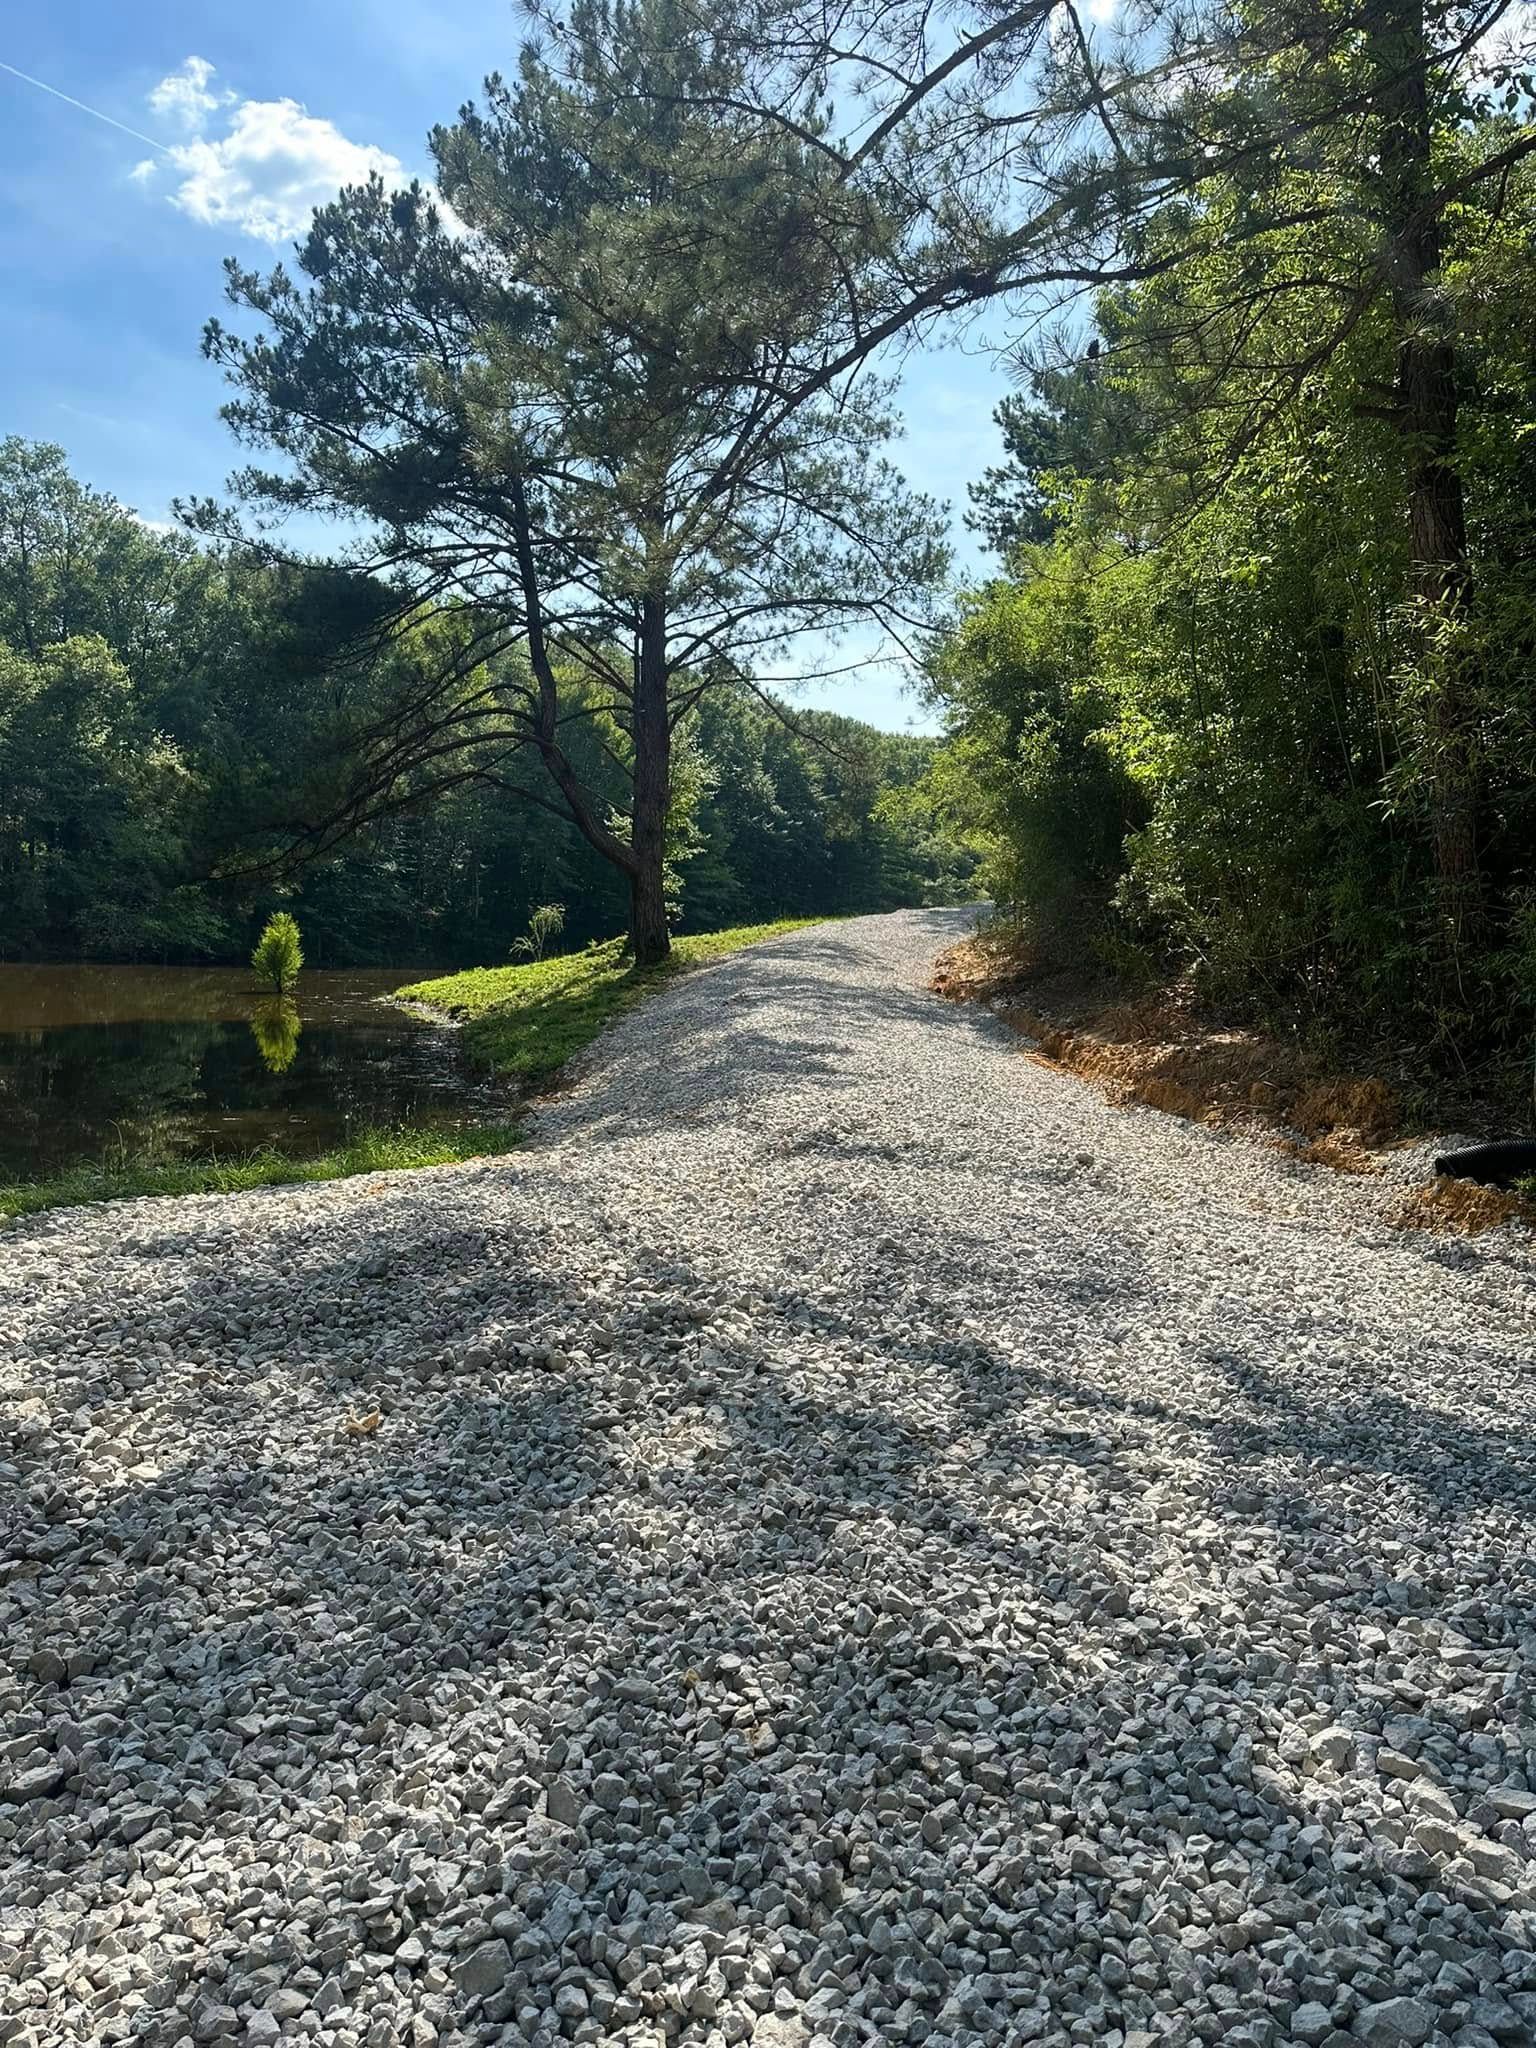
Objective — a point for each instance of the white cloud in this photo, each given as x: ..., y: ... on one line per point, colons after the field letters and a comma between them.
x: 186, y: 96
x: 272, y: 169
x: 272, y: 165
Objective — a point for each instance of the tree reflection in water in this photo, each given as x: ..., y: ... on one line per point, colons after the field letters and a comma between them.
x: 124, y: 1064
x: 275, y: 1026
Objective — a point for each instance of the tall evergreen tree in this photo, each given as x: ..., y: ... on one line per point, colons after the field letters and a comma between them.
x: 594, y: 413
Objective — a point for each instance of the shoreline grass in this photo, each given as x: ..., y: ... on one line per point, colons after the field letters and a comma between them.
x: 529, y: 1021
x: 370, y: 1151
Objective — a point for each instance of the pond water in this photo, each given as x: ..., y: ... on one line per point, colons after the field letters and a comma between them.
x: 119, y: 1064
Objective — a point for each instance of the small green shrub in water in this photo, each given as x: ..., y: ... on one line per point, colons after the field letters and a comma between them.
x: 278, y: 955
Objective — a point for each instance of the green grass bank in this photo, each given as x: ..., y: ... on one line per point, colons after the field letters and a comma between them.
x: 527, y: 1022
x: 369, y: 1152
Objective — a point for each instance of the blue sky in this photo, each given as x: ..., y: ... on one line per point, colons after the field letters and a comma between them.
x: 111, y: 247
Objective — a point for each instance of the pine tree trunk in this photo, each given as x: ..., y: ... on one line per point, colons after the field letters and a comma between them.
x: 648, y: 936
x: 649, y: 939
x: 1426, y: 412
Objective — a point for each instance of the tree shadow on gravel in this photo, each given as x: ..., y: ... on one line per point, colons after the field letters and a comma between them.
x: 1341, y: 1574
x: 1076, y: 1627
x: 1452, y: 1463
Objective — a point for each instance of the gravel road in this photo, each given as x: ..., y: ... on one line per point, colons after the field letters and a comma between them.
x: 860, y: 1542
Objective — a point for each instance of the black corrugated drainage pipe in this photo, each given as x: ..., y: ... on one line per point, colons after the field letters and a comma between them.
x: 1496, y: 1165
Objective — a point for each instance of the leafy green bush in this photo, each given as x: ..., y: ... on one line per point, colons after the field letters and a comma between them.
x: 546, y: 923
x: 1028, y: 767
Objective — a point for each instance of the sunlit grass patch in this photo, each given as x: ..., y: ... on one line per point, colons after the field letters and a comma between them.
x: 528, y: 1021
x: 371, y: 1151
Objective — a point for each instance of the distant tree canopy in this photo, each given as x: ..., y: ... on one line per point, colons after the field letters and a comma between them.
x: 170, y: 716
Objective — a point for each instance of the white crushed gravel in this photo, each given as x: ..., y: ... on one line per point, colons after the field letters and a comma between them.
x: 830, y: 1568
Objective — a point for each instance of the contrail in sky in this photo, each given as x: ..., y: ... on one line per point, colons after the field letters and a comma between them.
x: 95, y: 113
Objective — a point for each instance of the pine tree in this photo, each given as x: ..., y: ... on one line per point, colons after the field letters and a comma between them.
x: 597, y: 415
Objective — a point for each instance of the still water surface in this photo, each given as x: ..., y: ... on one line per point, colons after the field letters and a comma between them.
x: 108, y: 1063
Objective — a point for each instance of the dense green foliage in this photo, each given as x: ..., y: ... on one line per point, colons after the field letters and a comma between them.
x: 168, y: 714
x: 528, y: 1021
x: 1239, y: 705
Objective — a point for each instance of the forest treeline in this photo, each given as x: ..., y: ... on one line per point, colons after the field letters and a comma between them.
x: 171, y: 714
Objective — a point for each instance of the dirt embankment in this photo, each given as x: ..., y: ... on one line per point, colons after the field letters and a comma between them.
x: 1158, y: 1050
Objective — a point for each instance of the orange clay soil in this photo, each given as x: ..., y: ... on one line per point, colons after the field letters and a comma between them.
x: 1458, y: 1205
x: 1158, y: 1051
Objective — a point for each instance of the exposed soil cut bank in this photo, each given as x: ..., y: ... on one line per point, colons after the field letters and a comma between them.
x: 1157, y: 1050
